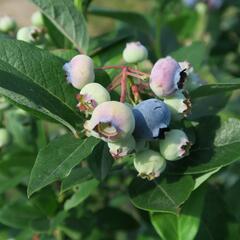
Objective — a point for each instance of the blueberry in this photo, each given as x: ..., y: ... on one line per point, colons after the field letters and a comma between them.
x: 152, y: 116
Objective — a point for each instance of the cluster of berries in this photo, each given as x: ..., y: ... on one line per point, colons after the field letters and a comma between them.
x: 212, y: 4
x: 36, y: 33
x: 135, y: 128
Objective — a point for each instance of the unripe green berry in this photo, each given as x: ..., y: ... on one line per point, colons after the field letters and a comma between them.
x: 4, y: 137
x: 149, y: 164
x: 175, y: 145
x: 179, y: 105
x: 30, y: 34
x: 90, y: 96
x: 37, y: 19
x: 122, y: 148
x: 134, y: 52
x: 7, y: 24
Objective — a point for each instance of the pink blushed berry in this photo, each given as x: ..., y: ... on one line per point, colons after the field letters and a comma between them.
x: 80, y: 71
x: 166, y: 77
x: 111, y: 121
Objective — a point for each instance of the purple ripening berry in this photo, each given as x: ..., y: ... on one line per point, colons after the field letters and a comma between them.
x: 152, y: 116
x: 166, y: 77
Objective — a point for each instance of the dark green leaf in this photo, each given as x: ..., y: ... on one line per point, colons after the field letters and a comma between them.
x: 183, y: 225
x: 57, y: 159
x: 77, y: 176
x: 211, y: 89
x: 100, y: 161
x: 113, y: 219
x: 67, y: 19
x: 19, y: 214
x: 215, y: 217
x: 165, y: 194
x: 195, y: 54
x: 34, y: 79
x: 83, y: 190
x: 217, y: 146
x: 137, y: 20
x: 209, y: 105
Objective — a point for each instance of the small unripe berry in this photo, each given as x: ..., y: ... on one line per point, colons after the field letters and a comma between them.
x: 7, y: 24
x: 80, y: 71
x: 175, y: 145
x: 122, y: 148
x: 149, y: 164
x: 4, y: 137
x: 166, y: 77
x: 111, y: 121
x: 90, y: 96
x: 30, y: 34
x: 152, y: 116
x: 37, y: 19
x: 179, y: 105
x: 134, y: 52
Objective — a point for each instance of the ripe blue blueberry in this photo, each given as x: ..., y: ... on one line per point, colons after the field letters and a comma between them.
x: 152, y: 116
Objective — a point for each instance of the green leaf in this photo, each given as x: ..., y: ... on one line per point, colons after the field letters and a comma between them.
x: 232, y: 200
x: 83, y: 190
x: 195, y: 54
x: 8, y: 182
x: 66, y: 54
x: 217, y: 146
x: 214, y: 218
x: 67, y: 19
x: 209, y: 105
x: 34, y: 79
x: 137, y: 20
x: 57, y: 159
x: 77, y: 176
x: 212, y: 89
x: 19, y: 214
x: 106, y: 219
x: 165, y: 194
x: 183, y: 225
x: 100, y: 161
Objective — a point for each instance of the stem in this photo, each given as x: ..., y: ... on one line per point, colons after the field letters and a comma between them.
x: 115, y: 83
x: 136, y: 75
x: 123, y: 85
x: 110, y: 67
x: 135, y: 93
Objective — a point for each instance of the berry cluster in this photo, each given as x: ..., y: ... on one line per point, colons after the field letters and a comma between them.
x: 133, y: 124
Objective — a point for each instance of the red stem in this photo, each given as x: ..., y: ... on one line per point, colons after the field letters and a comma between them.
x: 115, y: 83
x: 135, y: 92
x: 123, y: 85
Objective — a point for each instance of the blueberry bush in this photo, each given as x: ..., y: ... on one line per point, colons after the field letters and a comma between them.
x: 129, y: 134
